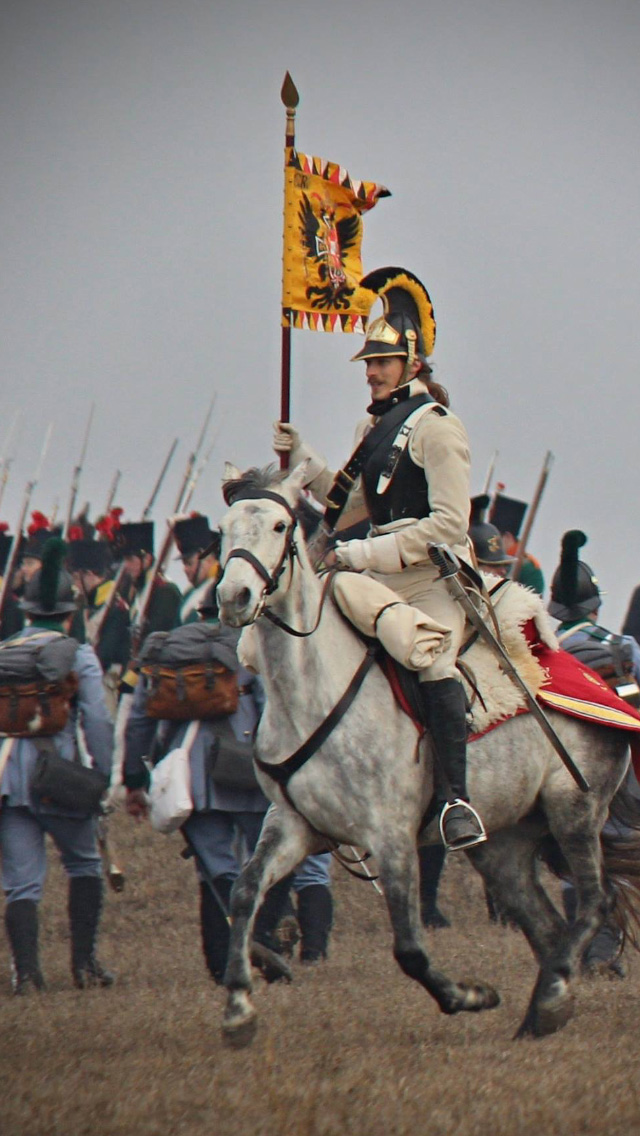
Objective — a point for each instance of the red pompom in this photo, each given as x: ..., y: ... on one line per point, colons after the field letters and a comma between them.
x: 4, y: 527
x: 38, y: 522
x: 75, y: 533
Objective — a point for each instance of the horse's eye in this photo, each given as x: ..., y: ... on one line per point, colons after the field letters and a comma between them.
x: 280, y: 527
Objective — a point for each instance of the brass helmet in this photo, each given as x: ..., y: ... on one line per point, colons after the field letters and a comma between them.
x: 408, y: 326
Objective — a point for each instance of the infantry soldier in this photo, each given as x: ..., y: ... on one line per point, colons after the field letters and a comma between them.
x: 90, y: 564
x: 575, y: 602
x: 12, y: 619
x: 25, y: 820
x: 487, y: 541
x: 507, y: 514
x: 414, y: 476
x: 193, y: 536
x: 135, y: 545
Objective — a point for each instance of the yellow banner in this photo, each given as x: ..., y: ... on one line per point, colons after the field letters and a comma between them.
x: 322, y: 262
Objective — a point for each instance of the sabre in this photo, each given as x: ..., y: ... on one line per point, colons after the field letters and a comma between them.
x: 449, y: 567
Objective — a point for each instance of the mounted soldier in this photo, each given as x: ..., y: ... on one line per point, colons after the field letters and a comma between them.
x: 411, y: 467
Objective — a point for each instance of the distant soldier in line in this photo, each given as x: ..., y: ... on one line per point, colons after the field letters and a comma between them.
x: 507, y: 514
x: 90, y: 563
x: 39, y: 532
x: 135, y: 546
x: 25, y: 820
x: 193, y: 536
x: 575, y: 602
x: 12, y: 618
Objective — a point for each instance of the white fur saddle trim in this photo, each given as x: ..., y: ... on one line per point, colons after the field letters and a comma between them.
x: 514, y: 607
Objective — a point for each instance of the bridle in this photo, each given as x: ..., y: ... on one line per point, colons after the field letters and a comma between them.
x: 288, y: 557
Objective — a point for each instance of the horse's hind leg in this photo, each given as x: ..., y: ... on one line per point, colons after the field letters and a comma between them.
x: 399, y: 876
x: 285, y: 840
x: 508, y: 865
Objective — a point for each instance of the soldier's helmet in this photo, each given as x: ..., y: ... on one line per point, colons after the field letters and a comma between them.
x: 574, y: 589
x: 407, y: 327
x: 50, y: 592
x: 485, y: 537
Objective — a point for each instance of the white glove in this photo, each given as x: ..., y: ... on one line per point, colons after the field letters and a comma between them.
x: 379, y: 553
x: 285, y: 438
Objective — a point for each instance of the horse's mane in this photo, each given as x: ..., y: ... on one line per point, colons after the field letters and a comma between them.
x: 255, y: 478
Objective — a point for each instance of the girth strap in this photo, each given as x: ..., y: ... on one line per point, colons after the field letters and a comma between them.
x: 284, y: 770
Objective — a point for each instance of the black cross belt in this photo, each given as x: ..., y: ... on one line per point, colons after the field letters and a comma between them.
x: 345, y: 478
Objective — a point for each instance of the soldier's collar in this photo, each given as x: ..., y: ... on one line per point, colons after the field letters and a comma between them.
x: 383, y: 405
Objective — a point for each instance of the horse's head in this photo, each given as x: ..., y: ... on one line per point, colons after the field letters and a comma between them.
x: 258, y: 540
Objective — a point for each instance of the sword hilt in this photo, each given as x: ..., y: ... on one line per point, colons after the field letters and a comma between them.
x: 444, y: 560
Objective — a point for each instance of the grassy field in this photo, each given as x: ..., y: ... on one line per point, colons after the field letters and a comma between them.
x: 350, y: 1047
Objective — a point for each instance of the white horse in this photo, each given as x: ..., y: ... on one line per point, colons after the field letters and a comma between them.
x: 367, y: 783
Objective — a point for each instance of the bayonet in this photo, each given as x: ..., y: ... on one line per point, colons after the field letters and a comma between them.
x: 449, y: 568
x: 113, y: 489
x: 146, y: 512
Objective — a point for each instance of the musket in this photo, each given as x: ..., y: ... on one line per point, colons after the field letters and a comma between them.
x: 6, y: 460
x: 196, y: 476
x: 111, y: 598
x: 75, y: 479
x: 490, y: 472
x: 26, y: 501
x: 531, y: 515
x: 146, y: 512
x: 167, y: 544
x: 449, y: 568
x: 113, y: 489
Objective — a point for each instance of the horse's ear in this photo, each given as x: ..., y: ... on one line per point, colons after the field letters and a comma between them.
x: 296, y: 481
x: 231, y: 472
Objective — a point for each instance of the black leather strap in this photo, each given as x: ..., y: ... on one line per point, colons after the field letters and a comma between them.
x: 284, y: 770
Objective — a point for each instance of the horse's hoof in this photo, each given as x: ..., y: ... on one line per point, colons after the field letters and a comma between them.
x: 238, y: 1033
x: 544, y: 1019
x: 471, y: 998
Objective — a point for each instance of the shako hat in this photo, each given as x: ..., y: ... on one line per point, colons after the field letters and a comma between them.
x: 574, y: 588
x: 408, y: 326
x: 89, y: 556
x: 39, y: 531
x: 485, y: 537
x: 135, y: 538
x: 507, y: 514
x: 193, y: 535
x: 49, y: 592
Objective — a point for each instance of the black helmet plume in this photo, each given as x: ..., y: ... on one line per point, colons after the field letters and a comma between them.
x: 574, y: 588
x: 49, y: 593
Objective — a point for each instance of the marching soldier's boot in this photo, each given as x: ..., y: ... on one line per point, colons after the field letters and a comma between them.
x: 274, y: 908
x: 21, y: 922
x: 85, y: 907
x: 431, y: 862
x: 444, y: 703
x: 315, y: 916
x: 214, y: 927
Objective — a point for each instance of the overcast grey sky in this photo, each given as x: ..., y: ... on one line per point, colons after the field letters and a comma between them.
x: 142, y: 221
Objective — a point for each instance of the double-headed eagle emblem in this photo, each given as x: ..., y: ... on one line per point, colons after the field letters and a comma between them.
x: 326, y: 241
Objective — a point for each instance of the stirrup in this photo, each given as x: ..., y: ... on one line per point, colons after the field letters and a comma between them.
x: 464, y: 842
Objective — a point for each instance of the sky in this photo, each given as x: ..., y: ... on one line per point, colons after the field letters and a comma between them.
x: 141, y: 238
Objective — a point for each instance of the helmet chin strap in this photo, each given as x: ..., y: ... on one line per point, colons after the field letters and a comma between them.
x: 411, y: 338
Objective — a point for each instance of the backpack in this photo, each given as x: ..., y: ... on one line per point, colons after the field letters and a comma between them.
x: 37, y: 684
x: 191, y: 673
x: 609, y: 656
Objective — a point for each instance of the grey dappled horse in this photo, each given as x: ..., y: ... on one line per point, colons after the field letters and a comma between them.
x: 369, y: 784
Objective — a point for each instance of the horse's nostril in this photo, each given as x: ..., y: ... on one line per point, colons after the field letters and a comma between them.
x: 244, y: 596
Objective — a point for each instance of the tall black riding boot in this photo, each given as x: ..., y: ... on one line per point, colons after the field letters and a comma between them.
x: 85, y: 907
x: 21, y: 922
x: 214, y: 927
x: 444, y: 703
x: 431, y: 862
x: 315, y: 916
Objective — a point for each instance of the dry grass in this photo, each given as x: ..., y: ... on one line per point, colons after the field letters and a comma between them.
x: 351, y: 1047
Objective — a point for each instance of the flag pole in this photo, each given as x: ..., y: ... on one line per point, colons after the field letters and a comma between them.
x: 290, y: 98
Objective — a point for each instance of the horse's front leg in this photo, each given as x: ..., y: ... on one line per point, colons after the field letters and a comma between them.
x: 399, y: 876
x: 285, y: 841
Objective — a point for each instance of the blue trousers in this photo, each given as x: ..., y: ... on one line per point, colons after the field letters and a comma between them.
x: 23, y: 849
x: 213, y: 835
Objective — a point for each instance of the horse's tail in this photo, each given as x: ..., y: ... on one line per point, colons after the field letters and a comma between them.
x: 620, y: 844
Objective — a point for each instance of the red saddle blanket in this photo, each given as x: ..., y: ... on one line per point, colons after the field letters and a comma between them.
x: 576, y: 690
